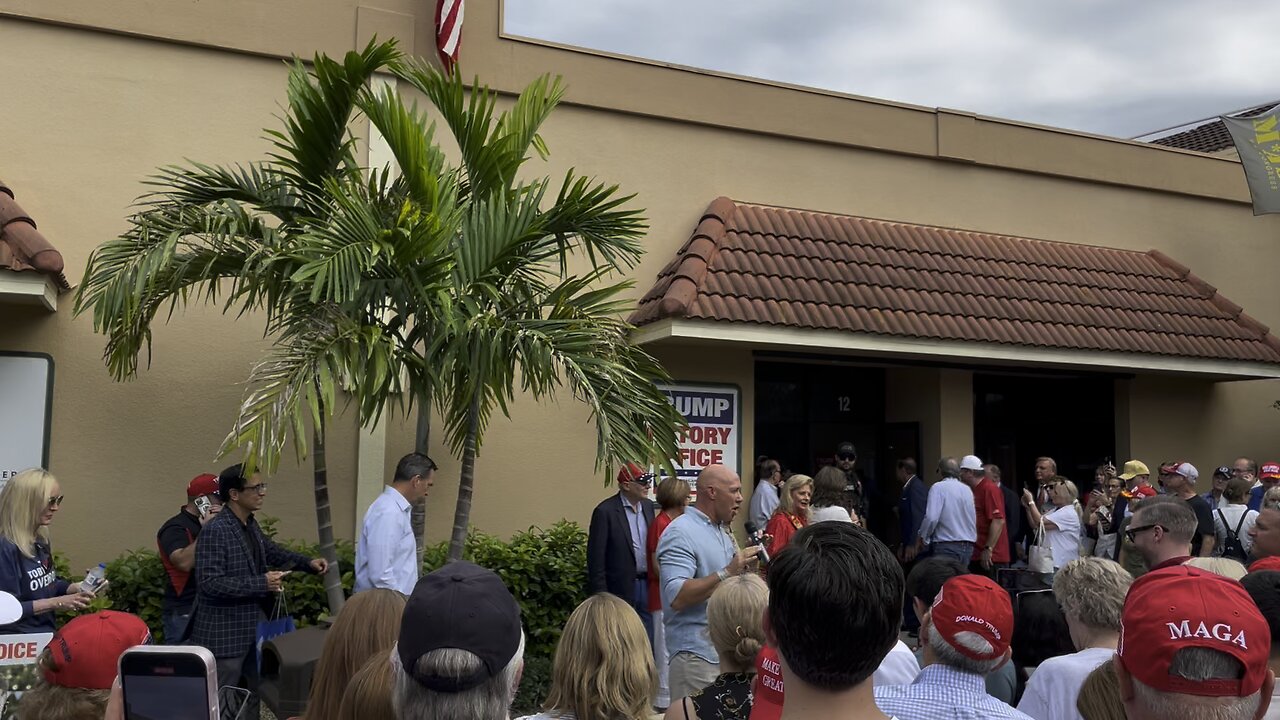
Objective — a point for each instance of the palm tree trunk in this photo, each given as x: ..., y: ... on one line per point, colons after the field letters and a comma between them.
x: 324, y: 522
x: 418, y: 517
x: 466, y: 482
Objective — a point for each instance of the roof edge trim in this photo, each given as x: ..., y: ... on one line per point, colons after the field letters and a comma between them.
x: 703, y: 331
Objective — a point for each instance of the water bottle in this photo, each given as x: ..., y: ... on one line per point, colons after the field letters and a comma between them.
x: 94, y: 578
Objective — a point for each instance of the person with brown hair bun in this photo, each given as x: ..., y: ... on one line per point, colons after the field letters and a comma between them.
x: 367, y: 626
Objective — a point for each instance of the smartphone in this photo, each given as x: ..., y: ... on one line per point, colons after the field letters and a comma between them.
x: 175, y: 682
x: 203, y: 505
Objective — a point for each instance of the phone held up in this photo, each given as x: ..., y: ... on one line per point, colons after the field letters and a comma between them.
x: 204, y: 506
x: 173, y: 682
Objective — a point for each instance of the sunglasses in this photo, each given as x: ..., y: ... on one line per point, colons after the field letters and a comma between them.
x: 846, y: 456
x: 56, y: 500
x: 1132, y: 533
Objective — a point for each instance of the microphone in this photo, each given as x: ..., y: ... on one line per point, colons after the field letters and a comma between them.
x: 753, y: 537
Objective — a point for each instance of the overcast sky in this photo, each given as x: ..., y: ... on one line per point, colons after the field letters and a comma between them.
x: 1116, y: 67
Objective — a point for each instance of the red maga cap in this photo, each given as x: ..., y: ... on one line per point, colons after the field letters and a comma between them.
x: 1270, y: 471
x: 767, y: 689
x: 85, y: 651
x: 1181, y: 607
x: 976, y: 604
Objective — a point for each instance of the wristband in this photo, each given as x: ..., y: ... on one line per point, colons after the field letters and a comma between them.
x: 722, y: 574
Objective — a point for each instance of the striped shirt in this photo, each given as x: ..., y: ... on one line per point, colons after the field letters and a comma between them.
x: 943, y: 693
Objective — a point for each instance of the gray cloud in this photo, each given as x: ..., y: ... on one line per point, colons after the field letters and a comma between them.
x: 1104, y: 66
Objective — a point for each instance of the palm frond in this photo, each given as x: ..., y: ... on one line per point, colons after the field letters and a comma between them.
x: 469, y: 113
x: 299, y: 381
x: 315, y: 143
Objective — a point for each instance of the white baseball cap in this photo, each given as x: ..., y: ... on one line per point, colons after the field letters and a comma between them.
x: 970, y: 462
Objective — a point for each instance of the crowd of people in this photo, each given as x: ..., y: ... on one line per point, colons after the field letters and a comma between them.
x: 1148, y: 600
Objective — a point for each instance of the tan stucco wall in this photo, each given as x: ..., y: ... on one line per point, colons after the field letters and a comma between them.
x: 90, y: 113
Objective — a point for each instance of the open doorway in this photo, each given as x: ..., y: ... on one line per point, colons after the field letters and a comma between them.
x: 1018, y: 418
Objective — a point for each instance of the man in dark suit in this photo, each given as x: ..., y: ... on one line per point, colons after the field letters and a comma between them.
x: 915, y: 495
x: 616, y: 558
x: 237, y: 590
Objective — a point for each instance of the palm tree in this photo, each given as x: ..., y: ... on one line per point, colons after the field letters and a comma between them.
x: 331, y: 256
x: 435, y: 281
x: 513, y: 311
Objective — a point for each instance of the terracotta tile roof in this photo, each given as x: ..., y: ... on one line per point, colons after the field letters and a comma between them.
x: 773, y: 266
x: 1209, y: 137
x: 22, y: 247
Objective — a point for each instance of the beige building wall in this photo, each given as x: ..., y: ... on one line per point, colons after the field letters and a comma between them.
x: 90, y: 113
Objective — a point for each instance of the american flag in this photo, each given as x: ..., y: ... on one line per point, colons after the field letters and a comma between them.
x: 448, y: 31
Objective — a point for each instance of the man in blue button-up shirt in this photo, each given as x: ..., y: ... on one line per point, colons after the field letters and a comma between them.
x: 694, y: 555
x: 387, y: 553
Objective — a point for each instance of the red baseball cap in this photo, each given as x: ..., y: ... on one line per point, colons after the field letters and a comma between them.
x: 201, y: 485
x: 84, y: 652
x: 1271, y: 562
x: 767, y: 690
x: 976, y: 604
x: 1270, y: 470
x: 1183, y: 607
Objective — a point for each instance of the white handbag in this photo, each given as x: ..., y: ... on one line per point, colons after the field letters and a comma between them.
x: 1040, y: 559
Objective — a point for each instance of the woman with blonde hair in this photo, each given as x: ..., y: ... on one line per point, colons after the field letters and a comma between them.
x: 1062, y: 526
x: 792, y: 513
x: 368, y: 695
x: 1226, y: 567
x: 735, y: 615
x: 368, y: 626
x: 28, y: 503
x: 673, y: 497
x: 603, y: 668
x: 1091, y: 593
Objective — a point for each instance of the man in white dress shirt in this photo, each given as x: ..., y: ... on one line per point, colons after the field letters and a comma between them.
x: 950, y: 526
x: 387, y: 553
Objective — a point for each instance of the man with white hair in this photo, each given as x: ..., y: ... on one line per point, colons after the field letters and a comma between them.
x: 461, y: 647
x: 1193, y: 646
x: 966, y: 636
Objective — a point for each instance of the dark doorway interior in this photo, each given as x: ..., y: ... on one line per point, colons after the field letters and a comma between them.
x: 804, y: 410
x: 1018, y: 418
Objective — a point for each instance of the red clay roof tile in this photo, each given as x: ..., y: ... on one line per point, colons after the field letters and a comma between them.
x: 774, y: 266
x: 22, y: 247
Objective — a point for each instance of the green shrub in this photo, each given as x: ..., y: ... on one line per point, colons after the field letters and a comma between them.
x: 546, y: 570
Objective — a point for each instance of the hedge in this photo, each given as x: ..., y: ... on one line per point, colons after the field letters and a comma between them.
x: 544, y: 568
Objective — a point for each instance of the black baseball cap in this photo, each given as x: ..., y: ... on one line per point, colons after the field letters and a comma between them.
x: 846, y: 448
x: 461, y: 606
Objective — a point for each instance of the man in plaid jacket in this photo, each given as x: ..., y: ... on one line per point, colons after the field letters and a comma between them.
x: 237, y: 587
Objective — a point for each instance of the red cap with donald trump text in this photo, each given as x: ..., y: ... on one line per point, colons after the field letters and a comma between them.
x: 975, y: 604
x: 1181, y: 607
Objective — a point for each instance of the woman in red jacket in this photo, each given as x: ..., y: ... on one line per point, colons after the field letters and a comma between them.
x: 672, y: 496
x: 792, y: 513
